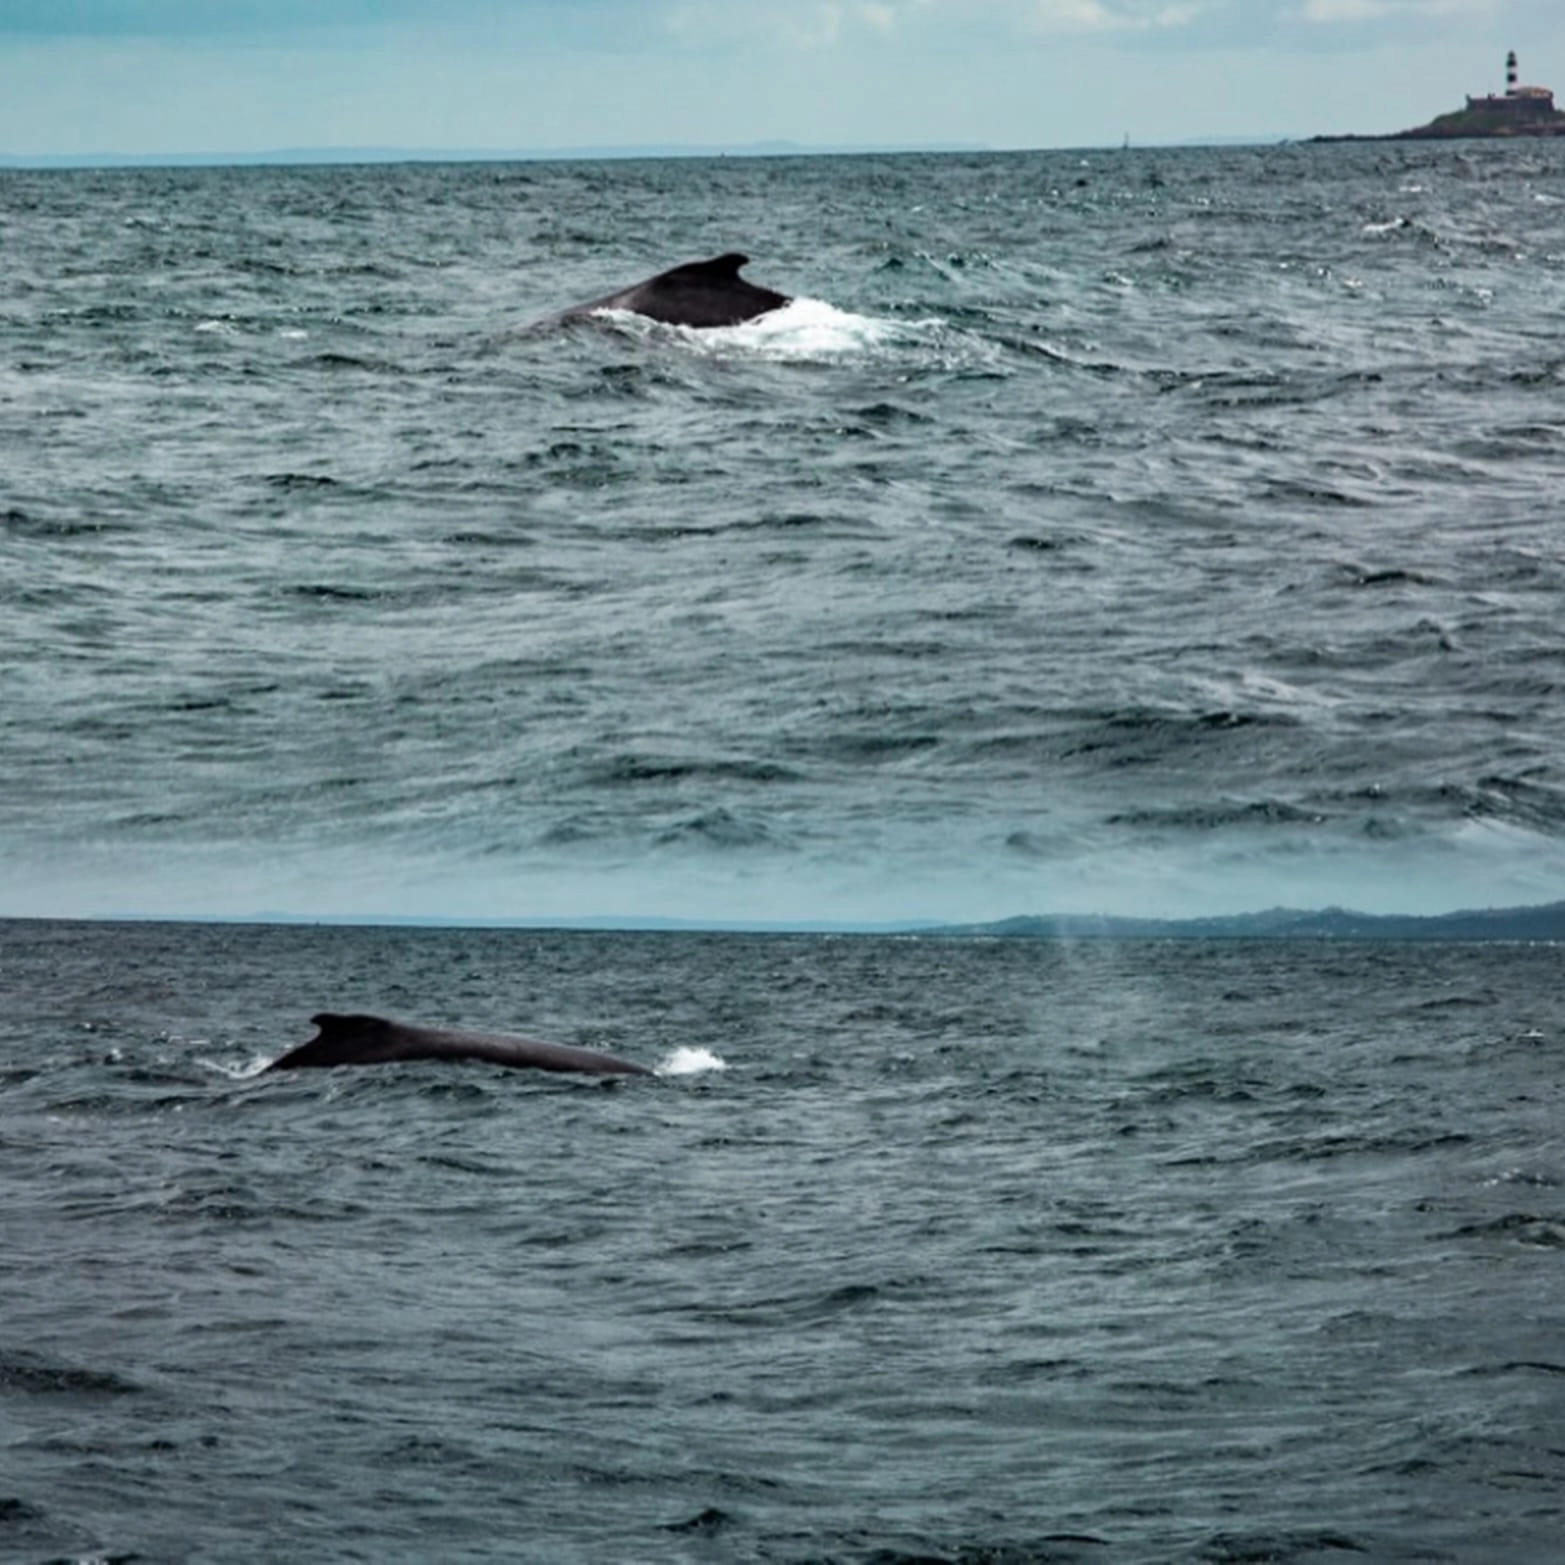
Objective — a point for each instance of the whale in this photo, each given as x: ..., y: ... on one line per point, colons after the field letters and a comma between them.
x: 698, y: 293
x: 377, y: 1040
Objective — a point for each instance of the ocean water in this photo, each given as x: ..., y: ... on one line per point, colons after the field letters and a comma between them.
x: 1137, y: 532
x: 953, y: 1252
x: 1159, y: 532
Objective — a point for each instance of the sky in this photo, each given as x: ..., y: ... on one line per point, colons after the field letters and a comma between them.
x: 211, y: 78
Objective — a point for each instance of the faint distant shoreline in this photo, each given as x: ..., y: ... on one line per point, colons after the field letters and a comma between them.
x: 1544, y: 922
x: 349, y: 157
x: 1540, y: 923
x: 290, y: 157
x: 1424, y: 133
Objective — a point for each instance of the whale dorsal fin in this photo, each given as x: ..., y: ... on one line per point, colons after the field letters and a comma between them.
x: 720, y: 269
x: 696, y: 293
x: 341, y: 1040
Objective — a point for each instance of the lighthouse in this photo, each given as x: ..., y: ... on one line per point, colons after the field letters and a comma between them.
x: 1518, y: 112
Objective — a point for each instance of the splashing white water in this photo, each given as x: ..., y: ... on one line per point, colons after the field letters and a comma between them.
x: 687, y: 1061
x: 801, y: 329
x: 237, y: 1070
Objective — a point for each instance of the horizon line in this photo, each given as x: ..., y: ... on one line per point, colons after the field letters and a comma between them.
x: 1542, y: 921
x: 648, y: 151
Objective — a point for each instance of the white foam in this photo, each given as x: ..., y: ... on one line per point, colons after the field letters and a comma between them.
x: 238, y: 1070
x: 801, y: 329
x: 688, y: 1061
x: 807, y: 329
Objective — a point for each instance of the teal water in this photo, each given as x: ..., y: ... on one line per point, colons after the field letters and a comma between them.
x: 1158, y: 532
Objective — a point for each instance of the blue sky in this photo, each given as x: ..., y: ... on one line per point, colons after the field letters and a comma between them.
x: 203, y: 77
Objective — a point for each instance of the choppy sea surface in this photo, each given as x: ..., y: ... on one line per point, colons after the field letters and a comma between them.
x: 1138, y: 532
x: 1141, y: 532
x: 920, y: 1252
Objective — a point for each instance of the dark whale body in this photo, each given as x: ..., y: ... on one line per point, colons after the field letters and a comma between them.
x: 374, y: 1040
x: 699, y: 293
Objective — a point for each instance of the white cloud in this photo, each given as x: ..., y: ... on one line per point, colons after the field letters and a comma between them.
x: 1115, y: 16
x: 1335, y: 11
x: 810, y: 24
x: 824, y: 23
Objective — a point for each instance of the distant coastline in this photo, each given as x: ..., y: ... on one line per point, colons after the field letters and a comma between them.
x: 292, y: 157
x: 1537, y: 923
x: 1543, y: 922
x: 355, y: 157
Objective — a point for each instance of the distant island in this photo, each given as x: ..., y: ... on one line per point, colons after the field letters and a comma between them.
x: 1518, y: 111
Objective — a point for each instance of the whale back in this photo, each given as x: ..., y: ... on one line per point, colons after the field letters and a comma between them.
x: 376, y: 1040
x: 696, y: 293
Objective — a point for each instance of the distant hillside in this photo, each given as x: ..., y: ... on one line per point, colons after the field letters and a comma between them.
x: 1545, y: 922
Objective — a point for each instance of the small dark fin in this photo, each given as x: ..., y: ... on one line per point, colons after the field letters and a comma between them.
x: 341, y: 1040
x: 720, y: 269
